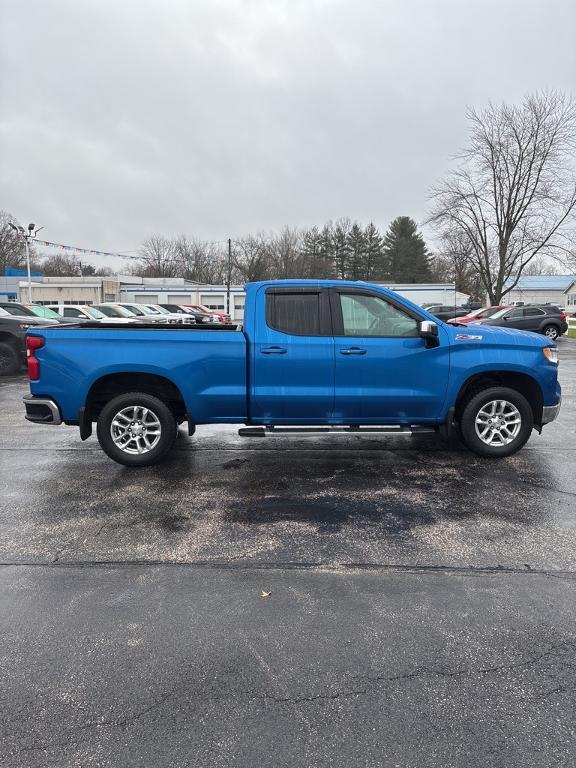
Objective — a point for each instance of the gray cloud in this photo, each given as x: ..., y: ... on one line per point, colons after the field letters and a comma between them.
x: 119, y: 118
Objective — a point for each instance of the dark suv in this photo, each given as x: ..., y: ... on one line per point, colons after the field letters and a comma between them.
x: 540, y: 318
x: 444, y: 311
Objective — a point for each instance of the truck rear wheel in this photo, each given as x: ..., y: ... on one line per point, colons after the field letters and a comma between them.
x: 496, y: 422
x: 136, y: 429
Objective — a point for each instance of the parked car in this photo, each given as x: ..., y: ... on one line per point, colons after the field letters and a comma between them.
x: 115, y: 312
x: 479, y: 314
x: 85, y: 312
x: 145, y: 313
x: 36, y: 310
x: 13, y: 339
x: 347, y: 356
x: 195, y: 315
x: 171, y: 317
x: 443, y: 312
x: 540, y: 318
x: 221, y: 317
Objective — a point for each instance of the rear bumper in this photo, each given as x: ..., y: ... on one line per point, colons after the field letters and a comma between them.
x: 550, y: 412
x: 41, y: 410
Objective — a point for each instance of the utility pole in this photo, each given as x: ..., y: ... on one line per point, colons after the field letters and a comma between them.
x: 229, y: 277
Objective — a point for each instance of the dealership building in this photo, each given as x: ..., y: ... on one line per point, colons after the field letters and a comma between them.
x: 544, y: 289
x: 175, y: 290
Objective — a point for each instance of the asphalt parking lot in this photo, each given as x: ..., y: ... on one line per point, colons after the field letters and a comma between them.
x: 421, y: 611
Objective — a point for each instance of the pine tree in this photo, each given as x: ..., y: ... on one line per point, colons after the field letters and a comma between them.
x: 406, y: 257
x: 340, y: 248
x: 316, y: 254
x: 356, y: 269
x: 374, y: 256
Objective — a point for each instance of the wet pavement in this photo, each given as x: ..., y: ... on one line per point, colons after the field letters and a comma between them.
x: 422, y: 608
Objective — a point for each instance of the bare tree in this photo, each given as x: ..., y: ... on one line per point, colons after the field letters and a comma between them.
x: 12, y: 250
x: 541, y: 266
x: 250, y: 258
x: 60, y: 265
x: 158, y: 258
x: 200, y: 261
x: 454, y: 263
x: 513, y: 196
x: 284, y: 252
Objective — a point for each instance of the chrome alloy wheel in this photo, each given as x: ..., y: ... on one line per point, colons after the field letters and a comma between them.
x: 498, y: 422
x: 551, y: 332
x: 135, y: 429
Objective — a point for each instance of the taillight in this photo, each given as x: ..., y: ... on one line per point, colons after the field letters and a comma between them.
x: 563, y: 316
x: 32, y: 344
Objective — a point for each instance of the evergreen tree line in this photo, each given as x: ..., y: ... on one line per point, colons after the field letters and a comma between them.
x: 343, y: 249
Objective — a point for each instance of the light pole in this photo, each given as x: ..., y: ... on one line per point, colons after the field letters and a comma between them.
x: 32, y: 232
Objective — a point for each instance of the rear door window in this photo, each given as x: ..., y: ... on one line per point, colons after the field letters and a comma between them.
x: 297, y: 314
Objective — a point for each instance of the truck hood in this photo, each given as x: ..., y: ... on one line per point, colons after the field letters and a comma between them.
x: 495, y: 334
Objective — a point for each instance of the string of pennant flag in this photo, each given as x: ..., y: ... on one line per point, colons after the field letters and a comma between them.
x: 94, y: 252
x: 91, y: 251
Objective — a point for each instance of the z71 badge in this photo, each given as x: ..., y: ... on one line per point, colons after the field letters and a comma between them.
x: 467, y: 337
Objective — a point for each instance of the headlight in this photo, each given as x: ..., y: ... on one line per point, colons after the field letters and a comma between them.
x: 552, y: 354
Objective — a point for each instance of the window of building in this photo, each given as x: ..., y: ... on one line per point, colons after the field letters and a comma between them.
x: 213, y: 301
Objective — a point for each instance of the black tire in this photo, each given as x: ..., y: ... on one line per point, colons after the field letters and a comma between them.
x: 551, y: 331
x: 472, y: 410
x: 161, y: 437
x: 9, y: 360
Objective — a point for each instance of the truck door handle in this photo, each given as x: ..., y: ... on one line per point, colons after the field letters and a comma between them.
x: 353, y: 351
x: 273, y: 350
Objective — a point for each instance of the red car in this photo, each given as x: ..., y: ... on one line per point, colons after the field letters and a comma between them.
x: 222, y: 317
x: 479, y: 314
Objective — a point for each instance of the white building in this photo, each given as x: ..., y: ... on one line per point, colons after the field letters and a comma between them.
x: 544, y: 289
x: 176, y: 290
x: 430, y: 293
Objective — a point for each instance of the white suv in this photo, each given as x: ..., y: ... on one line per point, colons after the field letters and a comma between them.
x: 87, y: 312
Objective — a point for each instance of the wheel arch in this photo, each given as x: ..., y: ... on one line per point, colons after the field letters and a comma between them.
x: 521, y: 382
x: 111, y: 385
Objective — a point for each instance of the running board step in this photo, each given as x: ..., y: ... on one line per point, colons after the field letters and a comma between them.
x: 337, y: 430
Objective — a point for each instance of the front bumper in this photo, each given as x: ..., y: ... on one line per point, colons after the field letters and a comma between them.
x: 550, y: 412
x: 41, y: 410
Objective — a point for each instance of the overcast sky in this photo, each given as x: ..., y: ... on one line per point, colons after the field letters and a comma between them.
x: 216, y: 118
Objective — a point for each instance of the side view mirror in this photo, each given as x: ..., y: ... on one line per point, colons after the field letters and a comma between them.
x: 428, y: 329
x: 429, y: 332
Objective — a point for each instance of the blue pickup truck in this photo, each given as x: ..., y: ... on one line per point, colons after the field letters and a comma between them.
x: 312, y: 355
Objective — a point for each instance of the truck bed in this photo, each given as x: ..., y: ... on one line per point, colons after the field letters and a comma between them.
x: 207, y: 364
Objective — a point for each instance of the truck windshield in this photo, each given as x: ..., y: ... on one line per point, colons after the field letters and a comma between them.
x: 40, y: 311
x: 500, y: 313
x: 16, y: 309
x: 112, y: 311
x: 93, y: 312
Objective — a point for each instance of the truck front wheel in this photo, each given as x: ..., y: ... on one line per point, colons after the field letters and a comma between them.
x: 496, y: 422
x: 136, y: 429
